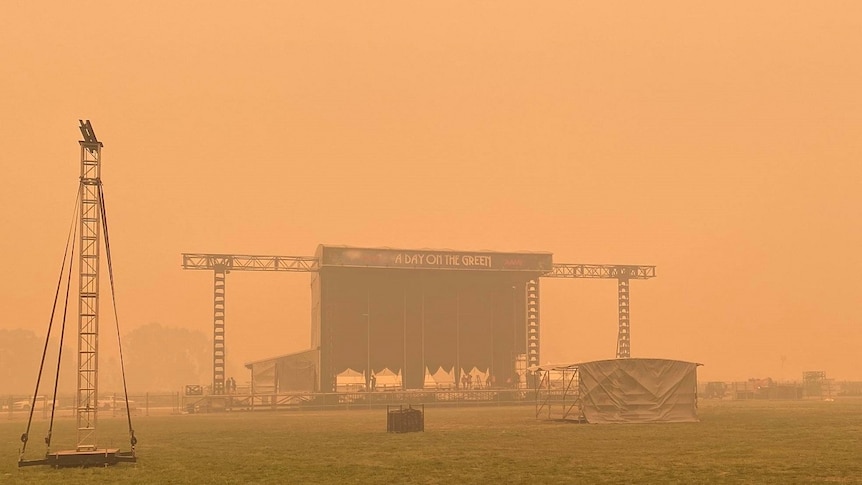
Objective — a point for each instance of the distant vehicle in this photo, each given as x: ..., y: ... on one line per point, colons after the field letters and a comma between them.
x: 41, y: 403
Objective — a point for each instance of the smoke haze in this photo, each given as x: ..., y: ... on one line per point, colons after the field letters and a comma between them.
x: 717, y: 142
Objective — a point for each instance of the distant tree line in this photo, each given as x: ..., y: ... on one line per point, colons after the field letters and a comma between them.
x: 20, y: 354
x: 157, y: 358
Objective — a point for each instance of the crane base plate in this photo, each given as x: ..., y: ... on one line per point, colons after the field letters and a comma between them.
x: 80, y: 459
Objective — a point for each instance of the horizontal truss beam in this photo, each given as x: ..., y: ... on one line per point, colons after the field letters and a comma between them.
x: 615, y: 271
x: 236, y: 262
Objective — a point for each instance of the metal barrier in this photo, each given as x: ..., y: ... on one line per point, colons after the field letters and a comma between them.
x: 110, y: 404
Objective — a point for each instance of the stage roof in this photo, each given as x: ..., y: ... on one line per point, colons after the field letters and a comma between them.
x: 279, y: 357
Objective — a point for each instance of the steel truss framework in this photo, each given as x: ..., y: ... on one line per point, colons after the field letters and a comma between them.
x: 558, y: 393
x: 564, y: 270
x: 221, y: 264
x: 230, y: 262
x: 91, y: 217
x: 88, y: 301
x: 219, y: 356
x: 622, y: 273
x: 532, y: 288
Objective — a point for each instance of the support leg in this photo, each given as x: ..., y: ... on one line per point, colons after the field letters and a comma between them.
x: 218, y: 329
x: 623, y: 338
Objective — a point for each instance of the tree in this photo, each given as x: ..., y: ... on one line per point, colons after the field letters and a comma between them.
x: 160, y: 358
x: 20, y: 353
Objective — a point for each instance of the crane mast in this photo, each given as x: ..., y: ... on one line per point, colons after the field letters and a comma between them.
x: 91, y: 227
x: 88, y: 299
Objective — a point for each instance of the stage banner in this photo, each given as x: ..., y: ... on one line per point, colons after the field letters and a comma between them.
x: 337, y: 256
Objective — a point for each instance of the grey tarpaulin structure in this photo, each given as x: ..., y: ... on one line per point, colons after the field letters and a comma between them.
x: 638, y: 391
x: 620, y: 391
x: 286, y: 373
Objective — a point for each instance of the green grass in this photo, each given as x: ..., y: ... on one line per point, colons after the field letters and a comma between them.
x: 735, y: 442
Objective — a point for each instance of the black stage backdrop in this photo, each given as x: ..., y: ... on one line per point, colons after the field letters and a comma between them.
x: 414, y: 320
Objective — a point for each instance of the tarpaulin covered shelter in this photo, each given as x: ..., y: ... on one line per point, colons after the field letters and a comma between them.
x: 286, y: 373
x: 621, y: 390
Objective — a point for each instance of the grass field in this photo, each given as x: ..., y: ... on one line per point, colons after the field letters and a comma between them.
x: 735, y: 442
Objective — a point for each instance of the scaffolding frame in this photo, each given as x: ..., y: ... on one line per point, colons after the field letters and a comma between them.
x: 558, y: 392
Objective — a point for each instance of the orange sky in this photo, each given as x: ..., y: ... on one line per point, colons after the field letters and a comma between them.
x: 719, y: 142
